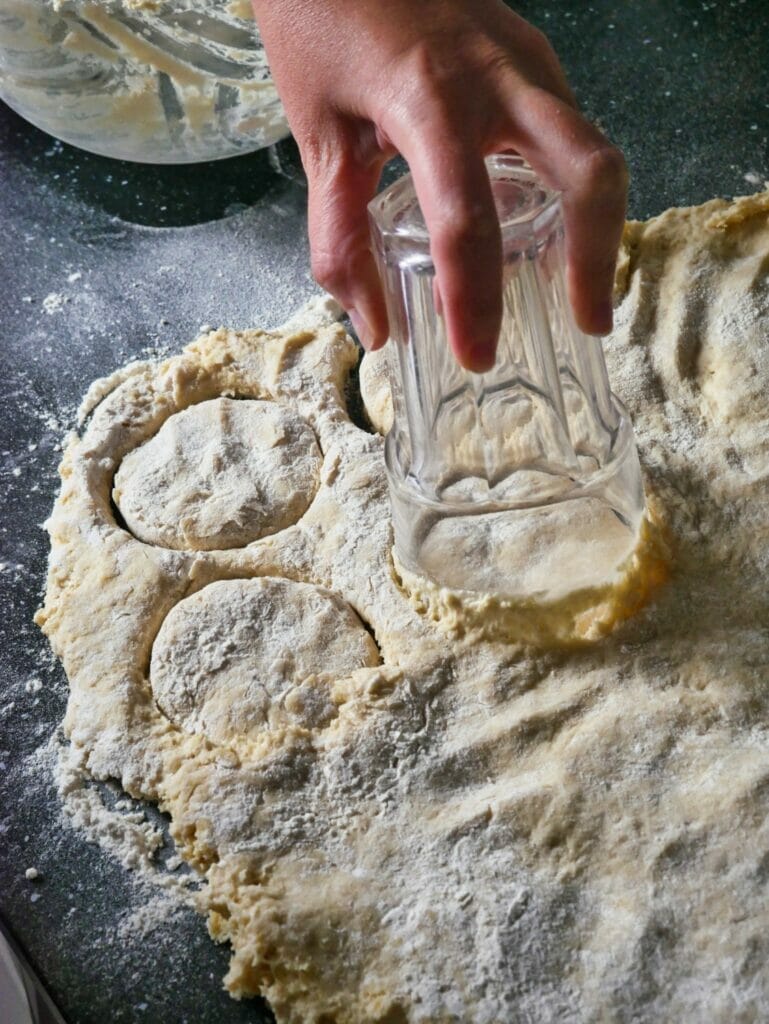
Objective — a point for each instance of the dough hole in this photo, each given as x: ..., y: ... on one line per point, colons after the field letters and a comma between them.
x: 219, y: 475
x: 241, y: 656
x: 354, y: 403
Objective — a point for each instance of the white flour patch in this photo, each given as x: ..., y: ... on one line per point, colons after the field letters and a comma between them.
x: 54, y: 302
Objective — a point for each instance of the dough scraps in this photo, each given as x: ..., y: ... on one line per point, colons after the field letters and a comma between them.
x: 454, y: 830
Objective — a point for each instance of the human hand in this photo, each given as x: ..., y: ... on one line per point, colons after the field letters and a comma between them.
x: 444, y: 83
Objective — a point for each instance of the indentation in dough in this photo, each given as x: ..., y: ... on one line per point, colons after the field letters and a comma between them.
x: 241, y: 656
x: 734, y: 360
x: 220, y: 474
x: 569, y: 546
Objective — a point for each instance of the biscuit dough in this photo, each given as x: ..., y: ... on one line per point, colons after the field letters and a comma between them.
x: 219, y: 475
x: 468, y: 830
x: 240, y: 655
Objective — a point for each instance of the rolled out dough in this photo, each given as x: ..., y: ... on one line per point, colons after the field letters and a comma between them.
x: 464, y: 831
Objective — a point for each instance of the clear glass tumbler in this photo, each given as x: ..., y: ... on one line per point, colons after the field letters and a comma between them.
x: 522, y: 482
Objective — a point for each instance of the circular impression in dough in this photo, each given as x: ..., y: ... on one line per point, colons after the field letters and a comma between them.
x: 543, y: 555
x: 220, y: 474
x: 242, y: 655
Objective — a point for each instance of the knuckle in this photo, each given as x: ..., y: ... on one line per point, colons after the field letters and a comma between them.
x: 430, y: 85
x: 536, y: 40
x: 530, y: 40
x: 429, y: 63
x: 333, y: 240
x: 604, y: 170
x: 464, y: 225
x: 335, y: 260
x: 327, y: 269
x: 327, y: 160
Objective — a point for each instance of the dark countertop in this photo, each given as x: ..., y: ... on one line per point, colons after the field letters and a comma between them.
x: 683, y: 87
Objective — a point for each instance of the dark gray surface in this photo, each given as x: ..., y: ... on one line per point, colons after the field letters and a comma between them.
x: 139, y: 288
x: 682, y: 86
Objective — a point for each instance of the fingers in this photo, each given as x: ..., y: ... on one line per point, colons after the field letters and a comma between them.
x: 340, y: 187
x: 594, y: 215
x: 455, y: 196
x: 571, y: 155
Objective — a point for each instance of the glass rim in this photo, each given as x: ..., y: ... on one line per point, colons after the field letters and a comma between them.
x: 505, y: 164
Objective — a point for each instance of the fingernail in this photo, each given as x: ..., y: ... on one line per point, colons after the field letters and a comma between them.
x: 481, y: 359
x: 362, y: 329
x: 603, y: 316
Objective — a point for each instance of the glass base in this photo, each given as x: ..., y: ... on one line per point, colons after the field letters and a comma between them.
x: 569, y: 536
x: 578, y: 617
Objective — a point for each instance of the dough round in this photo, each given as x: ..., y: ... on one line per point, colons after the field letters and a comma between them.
x: 241, y: 655
x: 542, y: 555
x: 220, y: 474
x: 375, y: 389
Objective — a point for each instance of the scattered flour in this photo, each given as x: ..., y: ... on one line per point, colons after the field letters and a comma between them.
x: 122, y: 831
x: 54, y: 302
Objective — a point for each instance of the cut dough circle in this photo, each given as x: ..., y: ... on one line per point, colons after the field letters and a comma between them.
x: 218, y: 475
x: 583, y: 535
x: 242, y: 655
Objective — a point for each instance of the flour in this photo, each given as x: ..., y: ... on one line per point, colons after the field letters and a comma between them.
x: 126, y: 836
x: 208, y: 678
x: 131, y: 839
x: 54, y: 302
x: 103, y: 386
x: 151, y: 916
x: 220, y: 474
x: 468, y: 830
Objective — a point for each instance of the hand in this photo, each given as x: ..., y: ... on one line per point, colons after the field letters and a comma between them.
x: 444, y: 83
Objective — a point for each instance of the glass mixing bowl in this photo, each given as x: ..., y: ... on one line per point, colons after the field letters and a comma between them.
x: 158, y: 81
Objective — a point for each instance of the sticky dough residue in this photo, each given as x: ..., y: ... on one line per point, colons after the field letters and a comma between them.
x: 154, y: 80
